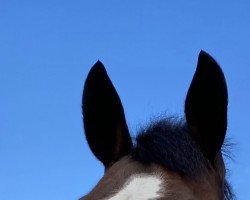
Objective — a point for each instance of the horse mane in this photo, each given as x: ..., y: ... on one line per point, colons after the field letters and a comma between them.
x: 166, y: 142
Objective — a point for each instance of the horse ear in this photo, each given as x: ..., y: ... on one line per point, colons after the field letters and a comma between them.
x: 206, y: 106
x: 104, y: 121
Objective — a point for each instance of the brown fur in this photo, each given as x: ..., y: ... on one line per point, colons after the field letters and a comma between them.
x: 208, y: 186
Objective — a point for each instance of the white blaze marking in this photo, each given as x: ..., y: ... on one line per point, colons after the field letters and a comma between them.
x: 139, y: 188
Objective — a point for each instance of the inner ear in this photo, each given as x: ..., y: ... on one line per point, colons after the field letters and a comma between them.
x: 206, y: 106
x: 103, y: 117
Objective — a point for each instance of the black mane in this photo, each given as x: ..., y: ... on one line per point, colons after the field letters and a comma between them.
x: 166, y: 142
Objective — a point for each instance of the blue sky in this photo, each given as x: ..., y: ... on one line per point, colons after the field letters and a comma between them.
x: 150, y: 50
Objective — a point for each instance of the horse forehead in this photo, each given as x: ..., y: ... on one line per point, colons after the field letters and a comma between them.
x: 140, y: 187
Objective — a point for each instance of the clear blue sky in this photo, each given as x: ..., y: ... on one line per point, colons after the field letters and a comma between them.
x: 150, y: 50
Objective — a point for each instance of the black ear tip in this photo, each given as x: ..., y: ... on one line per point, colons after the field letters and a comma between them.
x: 207, y: 62
x: 98, y: 66
x: 98, y: 63
x: 203, y: 53
x: 97, y: 70
x: 204, y: 56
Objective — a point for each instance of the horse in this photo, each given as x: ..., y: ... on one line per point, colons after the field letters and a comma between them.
x: 170, y: 158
